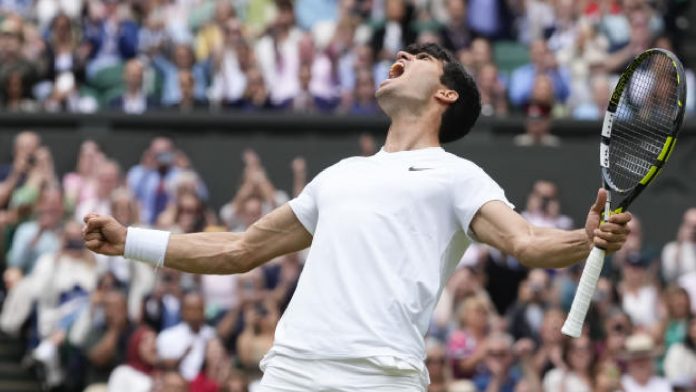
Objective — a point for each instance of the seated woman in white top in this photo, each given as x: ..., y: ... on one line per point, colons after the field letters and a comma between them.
x: 579, y: 357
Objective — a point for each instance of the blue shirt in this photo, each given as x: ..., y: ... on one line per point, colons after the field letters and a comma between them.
x: 522, y: 83
x: 23, y: 254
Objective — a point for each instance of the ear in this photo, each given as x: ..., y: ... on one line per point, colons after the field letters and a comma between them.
x: 446, y: 96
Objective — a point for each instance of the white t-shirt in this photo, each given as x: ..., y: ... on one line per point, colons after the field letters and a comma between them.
x: 388, y: 232
x: 655, y: 384
x: 173, y: 342
x: 562, y: 380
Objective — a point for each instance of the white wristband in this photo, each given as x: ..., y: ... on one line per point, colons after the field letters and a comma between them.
x: 146, y: 245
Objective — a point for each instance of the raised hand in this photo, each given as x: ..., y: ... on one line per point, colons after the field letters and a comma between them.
x: 103, y: 234
x: 610, y: 235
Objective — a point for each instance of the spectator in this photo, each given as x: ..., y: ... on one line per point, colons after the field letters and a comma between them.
x: 549, y: 353
x: 455, y: 34
x: 255, y: 197
x: 13, y: 175
x: 578, y: 376
x: 151, y: 179
x: 111, y: 38
x: 395, y: 33
x: 174, y: 92
x: 189, y: 215
x: 489, y: 18
x: 216, y: 368
x: 537, y: 128
x: 679, y: 257
x: 108, y: 178
x: 17, y: 73
x: 278, y: 55
x: 183, y: 346
x: 311, y: 12
x: 237, y: 381
x: 607, y: 377
x: 188, y: 101
x: 499, y: 373
x: 492, y: 90
x: 674, y: 326
x: 542, y: 62
x: 535, y: 21
x: 135, y: 375
x: 594, y: 109
x: 321, y: 68
x: 162, y: 306
x: 616, y: 327
x: 40, y: 175
x: 134, y: 99
x: 35, y: 237
x: 639, y: 294
x: 544, y: 207
x: 106, y: 345
x: 170, y: 381
x: 363, y: 102
x: 466, y: 346
x: 527, y: 314
x: 640, y: 352
x: 66, y: 63
x: 436, y: 363
x: 256, y: 339
x: 212, y: 34
x: 639, y: 38
x: 81, y: 184
x: 680, y: 361
x: 231, y: 60
x: 256, y: 96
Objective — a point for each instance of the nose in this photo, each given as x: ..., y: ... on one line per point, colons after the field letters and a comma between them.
x: 404, y: 55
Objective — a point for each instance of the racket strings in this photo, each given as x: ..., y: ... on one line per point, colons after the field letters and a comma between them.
x: 644, y: 118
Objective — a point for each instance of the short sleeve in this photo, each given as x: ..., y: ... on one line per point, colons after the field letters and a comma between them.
x: 305, y: 205
x: 470, y: 192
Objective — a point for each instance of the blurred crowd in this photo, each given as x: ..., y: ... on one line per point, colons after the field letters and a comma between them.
x: 96, y: 323
x: 542, y: 57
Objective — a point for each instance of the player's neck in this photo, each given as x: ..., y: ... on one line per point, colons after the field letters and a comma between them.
x: 411, y: 132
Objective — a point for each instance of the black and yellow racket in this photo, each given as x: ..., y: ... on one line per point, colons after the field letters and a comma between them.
x: 640, y: 130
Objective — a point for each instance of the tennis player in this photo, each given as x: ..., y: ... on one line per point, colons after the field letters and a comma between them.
x: 386, y: 231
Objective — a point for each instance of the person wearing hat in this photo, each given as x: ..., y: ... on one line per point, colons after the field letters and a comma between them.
x: 640, y: 353
x: 537, y: 127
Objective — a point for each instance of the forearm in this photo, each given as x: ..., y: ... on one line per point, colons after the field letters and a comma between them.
x: 552, y: 248
x: 104, y: 351
x: 207, y: 253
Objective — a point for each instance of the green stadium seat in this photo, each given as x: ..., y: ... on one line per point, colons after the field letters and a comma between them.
x: 107, y: 78
x: 509, y: 55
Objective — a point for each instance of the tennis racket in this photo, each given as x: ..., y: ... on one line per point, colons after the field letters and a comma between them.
x: 640, y: 130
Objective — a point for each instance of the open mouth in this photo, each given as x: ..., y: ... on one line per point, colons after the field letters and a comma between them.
x: 396, y: 70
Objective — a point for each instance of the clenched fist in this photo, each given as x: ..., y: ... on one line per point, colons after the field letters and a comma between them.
x: 103, y: 234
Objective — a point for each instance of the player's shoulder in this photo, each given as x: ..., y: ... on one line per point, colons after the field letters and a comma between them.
x: 459, y: 165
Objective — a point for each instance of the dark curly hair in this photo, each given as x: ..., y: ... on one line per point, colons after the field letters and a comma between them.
x: 461, y: 115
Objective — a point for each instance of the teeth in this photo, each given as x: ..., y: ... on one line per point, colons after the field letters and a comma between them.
x: 396, y: 70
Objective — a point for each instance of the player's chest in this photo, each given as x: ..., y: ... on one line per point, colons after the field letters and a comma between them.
x: 386, y: 187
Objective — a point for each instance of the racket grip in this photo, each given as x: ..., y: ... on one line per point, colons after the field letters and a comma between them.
x: 583, y: 296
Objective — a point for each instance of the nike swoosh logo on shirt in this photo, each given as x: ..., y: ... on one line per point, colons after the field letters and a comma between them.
x: 412, y: 168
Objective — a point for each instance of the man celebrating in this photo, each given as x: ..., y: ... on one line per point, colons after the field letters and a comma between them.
x: 386, y: 232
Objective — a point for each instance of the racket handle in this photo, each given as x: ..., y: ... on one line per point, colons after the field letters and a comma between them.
x: 583, y: 296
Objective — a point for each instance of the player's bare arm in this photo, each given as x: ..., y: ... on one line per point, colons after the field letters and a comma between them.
x: 498, y: 225
x: 277, y: 233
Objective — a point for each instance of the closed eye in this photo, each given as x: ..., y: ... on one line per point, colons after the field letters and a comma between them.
x: 423, y: 56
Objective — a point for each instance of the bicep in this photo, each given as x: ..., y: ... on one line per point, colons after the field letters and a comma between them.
x: 498, y: 225
x: 277, y: 233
